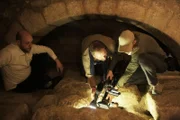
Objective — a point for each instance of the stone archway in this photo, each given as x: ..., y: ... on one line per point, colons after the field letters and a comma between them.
x: 160, y: 18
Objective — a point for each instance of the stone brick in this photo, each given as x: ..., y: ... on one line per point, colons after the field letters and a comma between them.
x: 91, y: 6
x: 32, y: 21
x: 47, y: 100
x: 15, y: 111
x: 68, y: 113
x: 107, y: 7
x: 75, y: 7
x: 146, y: 3
x: 56, y: 14
x: 11, y: 34
x: 158, y: 15
x: 131, y: 10
x: 53, y: 1
x: 173, y: 28
x: 170, y: 113
x: 39, y: 3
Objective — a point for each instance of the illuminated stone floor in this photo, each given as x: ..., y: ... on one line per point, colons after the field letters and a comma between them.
x: 70, y: 98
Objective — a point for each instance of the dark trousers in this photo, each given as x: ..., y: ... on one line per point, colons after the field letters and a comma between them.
x: 32, y: 83
x: 150, y: 64
x: 100, y: 68
x: 41, y: 64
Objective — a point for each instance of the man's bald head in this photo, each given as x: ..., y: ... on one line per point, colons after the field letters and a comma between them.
x: 24, y: 40
x: 22, y: 34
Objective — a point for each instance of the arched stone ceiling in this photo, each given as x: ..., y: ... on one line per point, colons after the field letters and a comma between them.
x: 158, y: 17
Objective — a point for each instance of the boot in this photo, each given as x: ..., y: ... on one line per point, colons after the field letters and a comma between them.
x: 156, y: 89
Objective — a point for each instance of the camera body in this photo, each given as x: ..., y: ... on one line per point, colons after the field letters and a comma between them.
x: 109, y: 89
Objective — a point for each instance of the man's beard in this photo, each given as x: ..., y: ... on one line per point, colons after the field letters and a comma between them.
x: 25, y: 50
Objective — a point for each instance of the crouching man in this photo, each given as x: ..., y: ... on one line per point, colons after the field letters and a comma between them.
x: 147, y: 59
x: 15, y: 62
x: 96, y: 49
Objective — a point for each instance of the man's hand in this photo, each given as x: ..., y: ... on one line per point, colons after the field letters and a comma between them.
x: 92, y: 83
x: 110, y: 97
x: 110, y: 75
x: 59, y: 65
x: 93, y: 90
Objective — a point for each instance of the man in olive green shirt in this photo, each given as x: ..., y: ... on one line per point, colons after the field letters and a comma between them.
x: 147, y: 59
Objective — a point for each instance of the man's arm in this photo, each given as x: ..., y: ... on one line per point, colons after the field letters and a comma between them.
x: 115, y: 59
x: 37, y: 49
x: 5, y: 57
x: 111, y: 67
x: 131, y: 68
x: 87, y: 68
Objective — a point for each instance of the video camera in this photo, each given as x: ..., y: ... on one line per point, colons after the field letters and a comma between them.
x: 109, y: 89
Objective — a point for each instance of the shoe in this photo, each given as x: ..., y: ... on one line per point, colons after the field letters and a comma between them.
x: 156, y: 90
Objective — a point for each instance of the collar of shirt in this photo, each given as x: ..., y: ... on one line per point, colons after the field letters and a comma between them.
x: 19, y: 50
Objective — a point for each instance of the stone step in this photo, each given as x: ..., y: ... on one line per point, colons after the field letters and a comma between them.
x: 169, y: 98
x: 170, y: 113
x: 170, y: 84
x: 14, y: 111
x: 169, y: 75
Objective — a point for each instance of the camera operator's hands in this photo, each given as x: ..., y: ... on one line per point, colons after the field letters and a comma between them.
x: 110, y: 97
x: 109, y: 75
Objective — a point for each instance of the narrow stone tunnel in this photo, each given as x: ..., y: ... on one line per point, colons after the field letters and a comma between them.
x: 62, y: 25
x: 66, y: 40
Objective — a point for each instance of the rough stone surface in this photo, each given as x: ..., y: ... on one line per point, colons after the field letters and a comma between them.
x: 73, y: 94
x: 158, y: 14
x: 32, y: 21
x: 173, y: 27
x: 170, y: 113
x: 132, y: 101
x: 146, y: 3
x: 91, y: 6
x: 107, y: 7
x: 11, y: 34
x: 70, y: 97
x: 39, y: 3
x: 66, y: 113
x: 158, y: 19
x: 131, y: 10
x: 56, y: 14
x: 45, y: 101
x: 75, y: 7
x: 15, y: 112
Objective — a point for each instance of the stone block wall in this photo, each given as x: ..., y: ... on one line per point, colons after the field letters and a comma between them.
x: 158, y: 17
x: 40, y: 17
